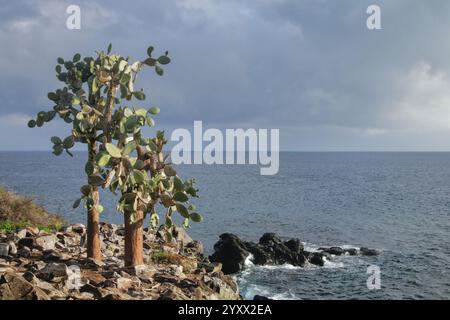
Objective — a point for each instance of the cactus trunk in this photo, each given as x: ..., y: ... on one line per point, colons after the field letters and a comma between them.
x: 108, y: 115
x: 93, y: 218
x: 93, y: 236
x: 134, y: 238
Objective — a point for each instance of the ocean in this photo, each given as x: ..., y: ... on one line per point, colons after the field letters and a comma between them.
x: 398, y: 203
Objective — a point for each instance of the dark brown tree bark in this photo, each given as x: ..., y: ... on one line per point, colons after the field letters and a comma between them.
x: 134, y: 239
x: 93, y: 218
x: 108, y: 115
x: 93, y: 233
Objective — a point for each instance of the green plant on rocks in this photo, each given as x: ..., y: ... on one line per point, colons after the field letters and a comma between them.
x: 137, y: 167
x: 17, y: 212
x: 95, y: 100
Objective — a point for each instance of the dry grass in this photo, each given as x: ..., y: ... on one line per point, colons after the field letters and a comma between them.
x: 18, y: 211
x: 166, y: 257
x: 189, y: 264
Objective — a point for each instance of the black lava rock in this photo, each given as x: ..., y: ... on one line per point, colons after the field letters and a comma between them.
x: 368, y: 252
x: 232, y: 252
x: 337, y: 251
x: 294, y: 245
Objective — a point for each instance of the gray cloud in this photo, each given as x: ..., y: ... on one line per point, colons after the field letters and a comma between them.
x: 310, y: 68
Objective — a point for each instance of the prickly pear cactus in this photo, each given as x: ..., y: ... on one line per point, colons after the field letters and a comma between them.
x: 94, y: 100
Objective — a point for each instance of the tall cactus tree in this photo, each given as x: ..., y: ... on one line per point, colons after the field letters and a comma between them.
x: 91, y: 101
x: 137, y: 167
x: 145, y: 181
x: 83, y: 102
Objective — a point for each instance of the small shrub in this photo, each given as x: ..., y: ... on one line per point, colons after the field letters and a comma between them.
x: 19, y: 212
x: 166, y: 257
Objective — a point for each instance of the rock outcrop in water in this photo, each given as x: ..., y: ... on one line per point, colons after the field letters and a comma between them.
x: 39, y: 265
x: 232, y: 252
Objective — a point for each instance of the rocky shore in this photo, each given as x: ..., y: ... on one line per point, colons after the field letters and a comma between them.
x: 42, y: 265
x: 35, y: 264
x: 232, y: 252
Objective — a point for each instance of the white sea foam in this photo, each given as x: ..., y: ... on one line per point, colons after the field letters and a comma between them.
x: 249, y: 265
x: 349, y: 246
x: 248, y: 261
x: 252, y: 290
x: 310, y: 247
x: 285, y: 266
x: 332, y: 264
x: 284, y: 296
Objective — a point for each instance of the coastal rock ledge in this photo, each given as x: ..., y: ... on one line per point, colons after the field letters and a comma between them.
x: 232, y: 252
x: 35, y: 264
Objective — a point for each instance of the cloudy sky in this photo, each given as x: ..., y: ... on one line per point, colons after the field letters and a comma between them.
x: 310, y: 68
